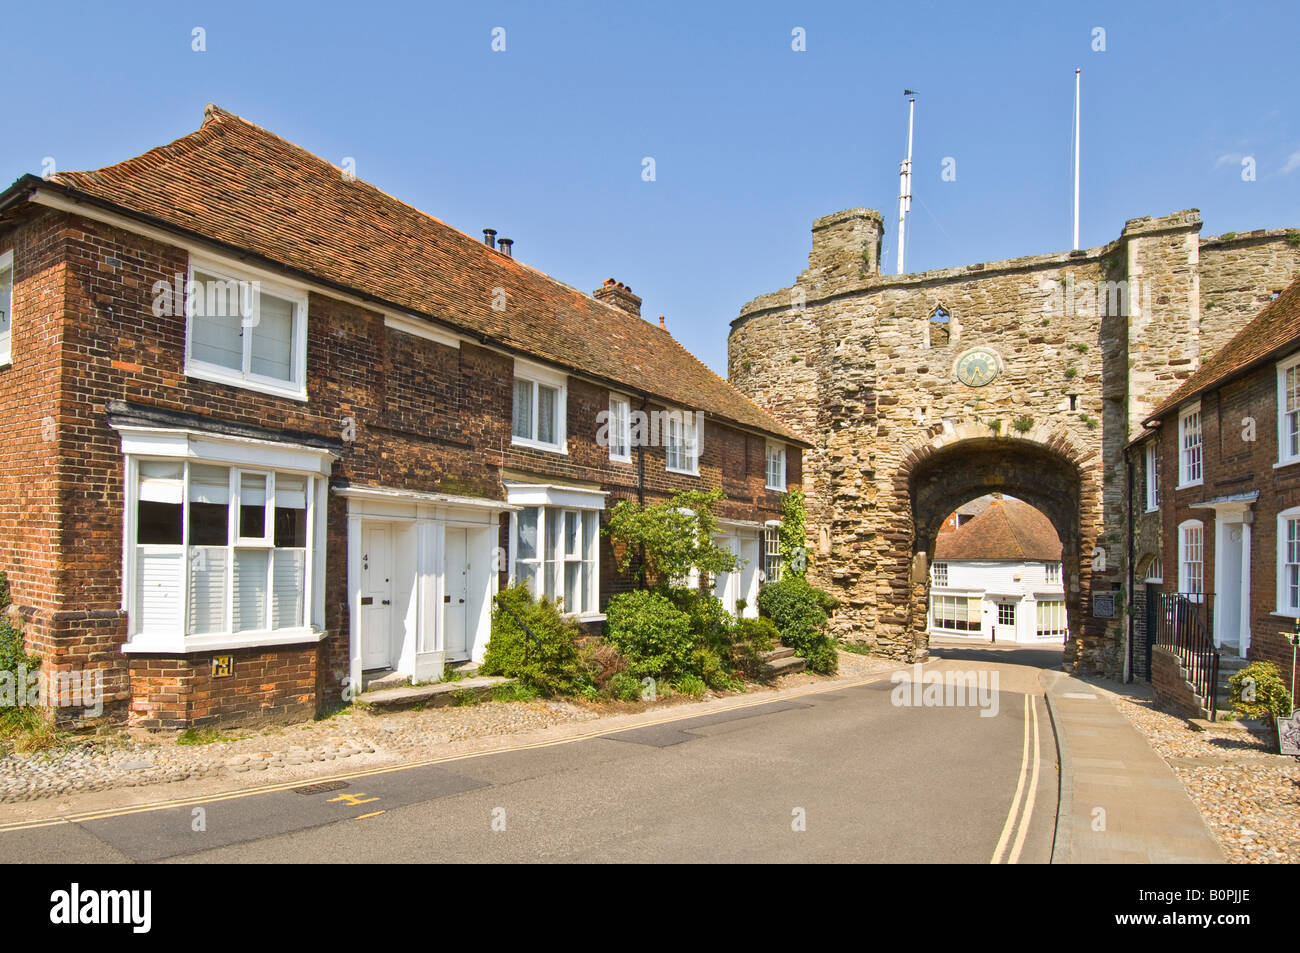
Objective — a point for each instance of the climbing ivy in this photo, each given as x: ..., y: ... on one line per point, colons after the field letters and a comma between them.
x: 792, y: 535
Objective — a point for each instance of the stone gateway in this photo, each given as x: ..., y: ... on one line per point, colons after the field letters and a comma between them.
x: 1027, y: 377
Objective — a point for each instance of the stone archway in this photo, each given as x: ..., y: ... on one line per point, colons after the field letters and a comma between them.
x: 1041, y: 466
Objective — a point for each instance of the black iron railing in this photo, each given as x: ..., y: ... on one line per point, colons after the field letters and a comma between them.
x: 1185, y: 629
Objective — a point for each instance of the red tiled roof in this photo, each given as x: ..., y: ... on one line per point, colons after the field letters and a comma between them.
x: 237, y: 183
x: 1007, y: 529
x: 1270, y: 333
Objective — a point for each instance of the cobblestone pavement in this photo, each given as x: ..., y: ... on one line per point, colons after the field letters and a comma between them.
x: 120, y: 759
x: 1248, y: 795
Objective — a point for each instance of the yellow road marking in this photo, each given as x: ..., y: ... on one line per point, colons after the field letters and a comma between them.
x: 352, y: 800
x: 1033, y: 793
x: 389, y: 769
x: 362, y: 817
x: 1015, y: 801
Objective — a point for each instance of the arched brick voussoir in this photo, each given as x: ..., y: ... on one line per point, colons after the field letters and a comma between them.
x: 1046, y: 435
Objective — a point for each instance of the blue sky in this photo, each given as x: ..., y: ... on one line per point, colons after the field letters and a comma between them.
x: 751, y: 140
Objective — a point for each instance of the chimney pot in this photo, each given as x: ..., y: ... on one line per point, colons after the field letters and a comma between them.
x: 661, y: 323
x: 490, y: 237
x: 619, y: 295
x: 507, y: 245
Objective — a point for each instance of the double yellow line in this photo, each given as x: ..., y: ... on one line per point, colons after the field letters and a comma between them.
x: 1028, y: 797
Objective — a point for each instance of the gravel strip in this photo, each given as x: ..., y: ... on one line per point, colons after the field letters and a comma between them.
x: 1249, y: 796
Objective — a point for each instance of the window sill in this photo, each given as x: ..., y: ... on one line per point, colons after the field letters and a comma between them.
x: 1285, y: 615
x: 291, y: 391
x: 1151, y: 509
x: 1188, y: 486
x: 538, y: 445
x: 614, y: 459
x: 186, y: 645
x: 776, y: 489
x: 1286, y: 463
x: 693, y: 473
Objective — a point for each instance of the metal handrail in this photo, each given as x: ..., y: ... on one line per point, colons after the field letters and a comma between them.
x: 1184, y: 628
x: 522, y: 624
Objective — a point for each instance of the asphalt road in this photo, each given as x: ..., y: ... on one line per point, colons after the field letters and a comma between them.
x: 843, y: 775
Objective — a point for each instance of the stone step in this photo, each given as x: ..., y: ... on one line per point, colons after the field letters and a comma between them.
x: 435, y: 694
x: 465, y: 668
x: 383, y: 678
x: 787, y: 665
x: 779, y: 652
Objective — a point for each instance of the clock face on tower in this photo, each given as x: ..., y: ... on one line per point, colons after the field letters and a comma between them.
x: 978, y: 367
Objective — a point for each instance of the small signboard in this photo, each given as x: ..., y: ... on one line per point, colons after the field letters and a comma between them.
x: 223, y: 666
x: 1288, y: 734
x: 1103, y: 605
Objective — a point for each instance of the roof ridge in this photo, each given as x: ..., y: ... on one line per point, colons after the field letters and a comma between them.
x: 432, y: 267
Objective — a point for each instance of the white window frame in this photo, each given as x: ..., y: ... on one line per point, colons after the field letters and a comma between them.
x: 295, y: 389
x: 539, y: 376
x: 1186, y: 476
x: 617, y: 430
x: 1285, y: 604
x: 1152, y: 463
x: 956, y: 600
x: 1184, y: 576
x: 775, y: 449
x: 1052, y: 573
x: 691, y: 440
x: 1155, y: 571
x: 939, y: 574
x: 1058, y: 623
x: 551, y: 500
x: 238, y: 454
x: 772, y: 561
x: 1286, y: 428
x: 7, y: 335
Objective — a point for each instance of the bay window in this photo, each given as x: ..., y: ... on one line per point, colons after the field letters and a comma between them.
x: 245, y: 331
x: 556, y: 555
x: 219, y: 551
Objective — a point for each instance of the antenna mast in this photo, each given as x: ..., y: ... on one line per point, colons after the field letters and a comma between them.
x: 1076, y: 159
x: 905, y: 180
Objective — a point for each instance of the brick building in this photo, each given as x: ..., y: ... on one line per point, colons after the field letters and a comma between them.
x: 1220, y: 472
x: 269, y: 428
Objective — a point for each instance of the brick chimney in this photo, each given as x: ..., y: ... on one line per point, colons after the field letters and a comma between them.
x: 619, y: 295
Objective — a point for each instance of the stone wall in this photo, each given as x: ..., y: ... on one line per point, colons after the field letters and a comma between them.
x: 1088, y: 342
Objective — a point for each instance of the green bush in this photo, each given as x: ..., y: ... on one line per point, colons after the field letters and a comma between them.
x: 651, y: 633
x: 624, y: 687
x: 13, y: 653
x: 1258, y: 691
x: 691, y: 685
x: 800, y: 612
x: 549, y: 660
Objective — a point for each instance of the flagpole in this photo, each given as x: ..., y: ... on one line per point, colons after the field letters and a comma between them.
x: 1076, y: 159
x: 905, y: 181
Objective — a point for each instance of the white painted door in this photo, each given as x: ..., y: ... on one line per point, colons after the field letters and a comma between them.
x: 455, y: 595
x: 751, y: 556
x: 1004, y: 622
x: 376, y: 596
x: 1228, y: 573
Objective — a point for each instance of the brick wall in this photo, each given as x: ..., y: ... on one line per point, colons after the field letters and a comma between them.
x: 425, y: 416
x: 1169, y: 683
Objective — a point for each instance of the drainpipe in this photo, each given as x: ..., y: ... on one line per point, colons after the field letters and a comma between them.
x: 1128, y: 600
x: 640, y: 477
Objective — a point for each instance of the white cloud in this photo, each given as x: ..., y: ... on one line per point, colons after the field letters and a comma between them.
x: 1292, y: 163
x: 1229, y: 158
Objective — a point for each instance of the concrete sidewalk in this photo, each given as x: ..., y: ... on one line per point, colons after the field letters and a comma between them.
x: 1119, y: 802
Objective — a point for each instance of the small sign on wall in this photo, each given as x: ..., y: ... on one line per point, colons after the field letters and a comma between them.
x: 223, y: 666
x: 1103, y: 605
